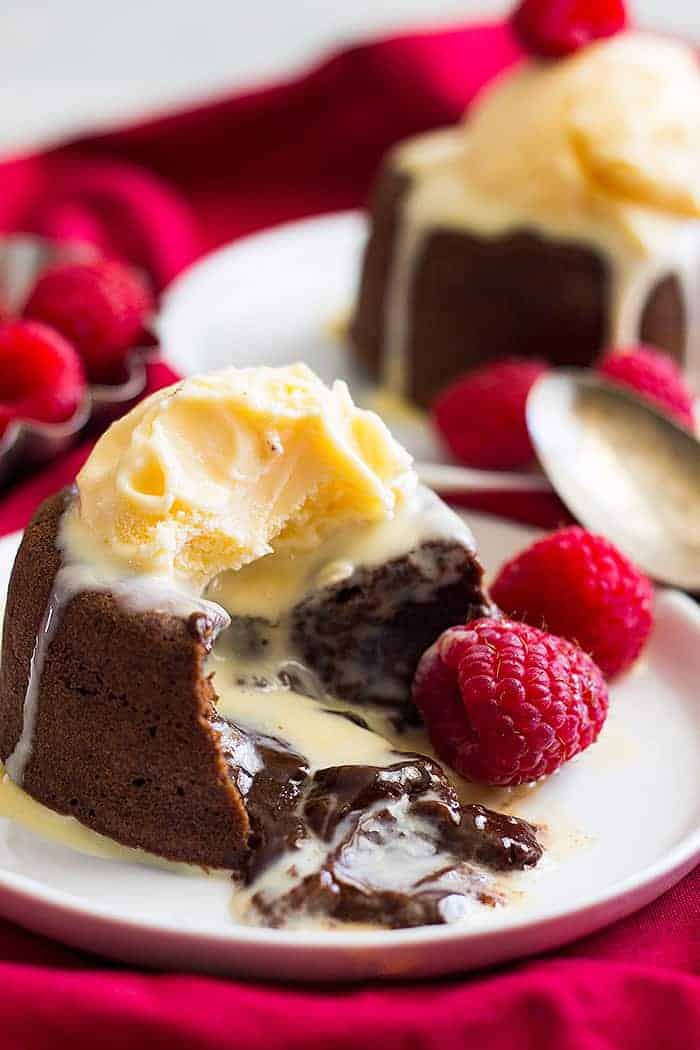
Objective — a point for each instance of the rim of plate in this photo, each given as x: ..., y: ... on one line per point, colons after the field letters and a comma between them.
x: 679, y: 860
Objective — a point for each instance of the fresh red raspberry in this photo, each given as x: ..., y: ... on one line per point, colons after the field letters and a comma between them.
x: 481, y: 416
x: 581, y: 586
x: 100, y: 306
x: 655, y: 376
x: 41, y: 375
x: 553, y: 28
x: 505, y: 703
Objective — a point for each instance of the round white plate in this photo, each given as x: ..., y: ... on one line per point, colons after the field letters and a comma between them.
x: 624, y: 823
x: 271, y: 298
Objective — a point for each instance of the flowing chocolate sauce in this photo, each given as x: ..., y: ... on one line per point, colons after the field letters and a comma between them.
x: 398, y: 847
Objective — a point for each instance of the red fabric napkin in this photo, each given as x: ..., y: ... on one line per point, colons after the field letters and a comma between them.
x: 160, y: 194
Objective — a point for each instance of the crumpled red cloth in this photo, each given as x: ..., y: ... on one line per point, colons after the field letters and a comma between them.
x: 161, y: 194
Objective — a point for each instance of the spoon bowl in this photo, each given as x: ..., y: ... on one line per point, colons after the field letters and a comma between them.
x: 623, y: 469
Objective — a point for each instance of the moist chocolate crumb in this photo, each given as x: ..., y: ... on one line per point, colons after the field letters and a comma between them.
x: 365, y: 635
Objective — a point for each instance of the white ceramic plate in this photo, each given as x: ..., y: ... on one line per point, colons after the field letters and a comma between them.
x: 271, y: 298
x: 624, y: 820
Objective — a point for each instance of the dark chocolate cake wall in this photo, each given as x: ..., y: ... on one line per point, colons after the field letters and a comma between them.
x: 368, y: 328
x: 123, y: 738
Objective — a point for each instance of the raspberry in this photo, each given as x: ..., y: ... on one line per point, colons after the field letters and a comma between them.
x: 100, y: 306
x: 553, y: 28
x: 505, y: 703
x: 482, y: 415
x: 582, y: 587
x: 41, y: 375
x: 654, y: 375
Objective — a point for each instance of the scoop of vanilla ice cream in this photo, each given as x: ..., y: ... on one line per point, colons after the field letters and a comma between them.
x: 220, y: 469
x: 612, y: 130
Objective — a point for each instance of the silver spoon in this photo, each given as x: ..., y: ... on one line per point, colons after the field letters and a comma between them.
x: 623, y: 469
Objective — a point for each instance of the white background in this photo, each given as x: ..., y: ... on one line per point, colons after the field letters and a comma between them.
x: 71, y: 65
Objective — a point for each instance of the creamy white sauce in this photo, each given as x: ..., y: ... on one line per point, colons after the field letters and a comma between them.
x: 304, y: 724
x: 272, y: 585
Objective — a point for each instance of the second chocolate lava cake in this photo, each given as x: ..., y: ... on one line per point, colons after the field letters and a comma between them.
x: 476, y: 299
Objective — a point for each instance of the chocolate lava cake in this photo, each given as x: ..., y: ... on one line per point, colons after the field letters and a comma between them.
x: 551, y: 224
x: 474, y: 299
x: 126, y: 736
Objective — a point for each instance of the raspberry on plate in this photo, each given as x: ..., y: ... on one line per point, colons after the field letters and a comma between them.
x: 582, y: 587
x: 505, y: 703
x: 41, y: 375
x: 481, y: 416
x: 655, y: 376
x: 553, y: 28
x: 100, y: 306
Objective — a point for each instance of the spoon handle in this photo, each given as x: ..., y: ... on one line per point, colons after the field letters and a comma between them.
x: 448, y: 479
